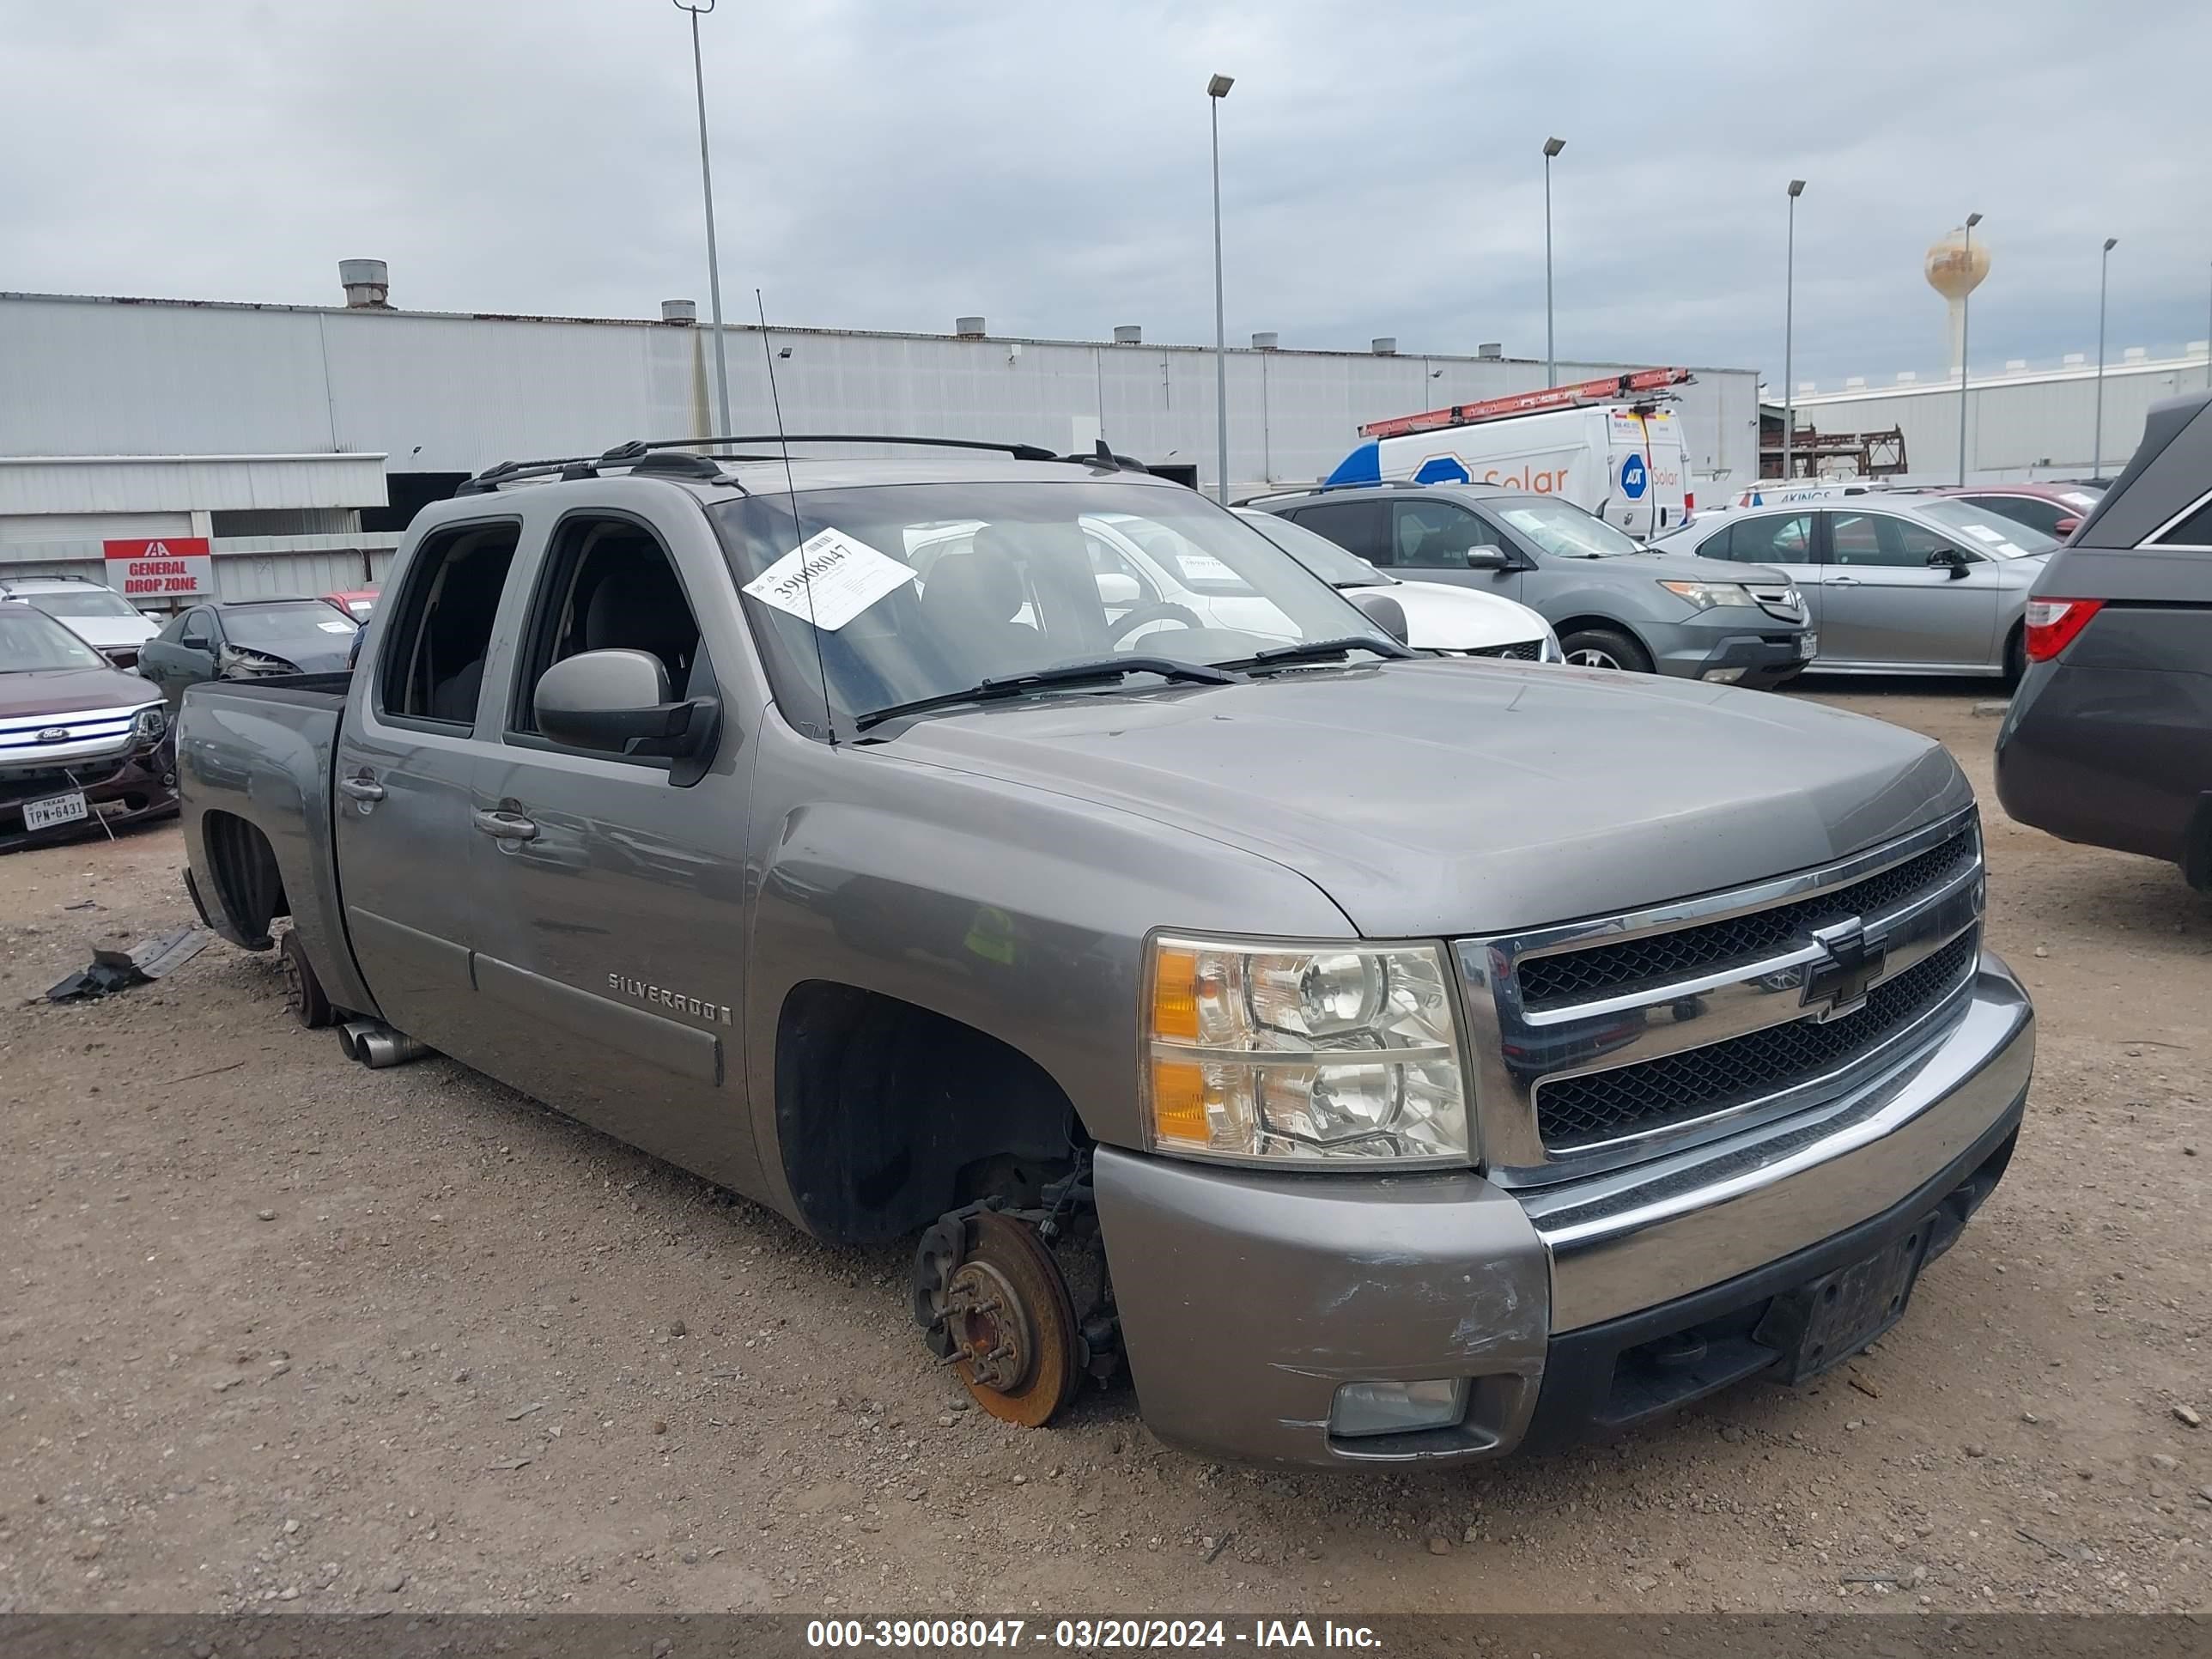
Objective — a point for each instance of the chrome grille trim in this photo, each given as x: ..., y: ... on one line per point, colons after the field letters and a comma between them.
x: 1517, y: 1049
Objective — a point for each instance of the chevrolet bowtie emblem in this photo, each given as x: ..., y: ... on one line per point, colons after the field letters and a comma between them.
x: 1840, y: 979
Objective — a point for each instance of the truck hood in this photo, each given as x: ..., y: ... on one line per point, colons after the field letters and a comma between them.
x: 1429, y: 798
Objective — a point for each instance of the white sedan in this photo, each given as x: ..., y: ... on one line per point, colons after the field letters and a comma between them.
x: 1455, y: 622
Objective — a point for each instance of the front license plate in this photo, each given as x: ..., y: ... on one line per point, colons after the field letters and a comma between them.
x: 1819, y: 1325
x: 1808, y: 646
x: 55, y: 809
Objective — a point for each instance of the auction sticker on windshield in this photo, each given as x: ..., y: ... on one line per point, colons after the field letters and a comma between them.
x: 828, y: 580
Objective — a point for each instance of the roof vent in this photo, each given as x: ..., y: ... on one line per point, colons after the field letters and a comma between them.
x: 1128, y: 334
x: 2016, y: 365
x: 968, y: 328
x: 1906, y: 377
x: 1491, y: 351
x: 2135, y: 354
x: 1267, y: 341
x: 1384, y: 345
x: 1855, y: 383
x: 2074, y: 360
x: 367, y: 282
x: 680, y: 310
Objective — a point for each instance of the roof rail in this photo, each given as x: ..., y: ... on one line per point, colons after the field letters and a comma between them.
x: 641, y: 456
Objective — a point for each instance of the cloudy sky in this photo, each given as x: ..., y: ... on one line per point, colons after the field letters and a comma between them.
x: 882, y: 165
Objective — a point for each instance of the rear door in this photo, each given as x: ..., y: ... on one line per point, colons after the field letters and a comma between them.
x: 1430, y: 538
x: 1882, y: 603
x: 408, y: 750
x: 611, y: 946
x: 1358, y: 527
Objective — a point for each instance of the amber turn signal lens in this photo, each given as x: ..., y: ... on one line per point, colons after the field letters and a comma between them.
x: 1179, y: 1103
x: 1174, y: 995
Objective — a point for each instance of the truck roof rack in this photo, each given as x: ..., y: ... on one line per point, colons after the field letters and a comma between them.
x: 673, y: 456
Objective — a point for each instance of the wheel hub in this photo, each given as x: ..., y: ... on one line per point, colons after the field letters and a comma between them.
x: 990, y: 1333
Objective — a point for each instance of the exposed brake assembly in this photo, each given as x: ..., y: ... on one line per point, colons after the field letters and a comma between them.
x: 995, y: 1304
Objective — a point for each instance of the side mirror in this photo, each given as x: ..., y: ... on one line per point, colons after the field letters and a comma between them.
x: 197, y: 642
x: 1951, y: 560
x: 1116, y: 588
x: 1487, y: 557
x: 1384, y: 612
x: 617, y: 702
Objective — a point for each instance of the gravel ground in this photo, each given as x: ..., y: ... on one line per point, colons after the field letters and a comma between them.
x: 281, y: 1331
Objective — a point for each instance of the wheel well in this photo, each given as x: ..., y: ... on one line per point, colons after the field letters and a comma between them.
x: 249, y: 888
x: 889, y: 1114
x: 1572, y: 623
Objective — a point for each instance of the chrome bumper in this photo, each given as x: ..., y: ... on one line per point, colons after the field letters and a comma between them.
x: 1666, y: 1228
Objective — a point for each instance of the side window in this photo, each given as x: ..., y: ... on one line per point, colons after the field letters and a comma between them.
x: 1361, y: 528
x: 1783, y: 538
x: 1434, y: 535
x: 1718, y: 545
x: 1915, y: 543
x: 608, y: 585
x: 433, y: 660
x: 2195, y: 530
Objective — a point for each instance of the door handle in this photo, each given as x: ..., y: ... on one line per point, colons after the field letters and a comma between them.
x: 1844, y: 582
x: 363, y: 788
x: 505, y: 826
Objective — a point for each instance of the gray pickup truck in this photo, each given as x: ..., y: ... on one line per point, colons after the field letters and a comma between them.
x: 1387, y: 1058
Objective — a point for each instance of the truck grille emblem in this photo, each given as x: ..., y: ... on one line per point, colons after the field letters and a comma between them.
x: 1854, y: 962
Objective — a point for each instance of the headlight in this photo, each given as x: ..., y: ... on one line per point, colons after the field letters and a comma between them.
x: 149, y: 724
x: 1550, y: 651
x: 1706, y: 595
x: 1303, y: 1053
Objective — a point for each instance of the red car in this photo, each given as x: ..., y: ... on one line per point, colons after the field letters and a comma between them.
x: 355, y: 601
x: 2054, y: 508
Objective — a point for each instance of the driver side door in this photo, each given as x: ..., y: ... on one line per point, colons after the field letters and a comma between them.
x: 1884, y: 604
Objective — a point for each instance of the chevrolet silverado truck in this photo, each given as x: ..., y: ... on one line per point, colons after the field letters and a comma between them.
x: 1387, y: 1059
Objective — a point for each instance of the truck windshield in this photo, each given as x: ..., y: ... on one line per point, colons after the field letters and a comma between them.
x: 886, y: 595
x: 31, y: 642
x: 1560, y: 528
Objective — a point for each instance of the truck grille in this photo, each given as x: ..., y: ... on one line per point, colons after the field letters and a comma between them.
x: 1598, y: 1107
x: 1603, y: 1042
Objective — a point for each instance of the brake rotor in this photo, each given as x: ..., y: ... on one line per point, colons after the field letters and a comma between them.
x: 1013, y: 1330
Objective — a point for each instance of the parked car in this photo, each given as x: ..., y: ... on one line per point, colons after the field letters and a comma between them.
x: 358, y: 603
x: 1899, y: 584
x: 2108, y: 737
x: 2056, y: 509
x: 241, y: 639
x: 99, y: 615
x: 1434, y: 1061
x: 1613, y: 603
x: 80, y: 741
x: 1449, y: 622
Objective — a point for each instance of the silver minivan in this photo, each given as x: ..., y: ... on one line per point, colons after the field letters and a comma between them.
x: 1898, y: 584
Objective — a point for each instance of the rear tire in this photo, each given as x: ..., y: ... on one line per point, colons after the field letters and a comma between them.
x: 1605, y: 647
x: 302, y: 990
x: 2016, y: 658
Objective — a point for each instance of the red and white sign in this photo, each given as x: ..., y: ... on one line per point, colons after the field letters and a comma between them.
x: 163, y: 568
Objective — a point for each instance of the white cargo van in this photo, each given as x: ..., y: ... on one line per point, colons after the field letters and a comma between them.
x: 1618, y: 456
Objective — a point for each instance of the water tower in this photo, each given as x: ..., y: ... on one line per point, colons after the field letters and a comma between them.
x: 1955, y: 269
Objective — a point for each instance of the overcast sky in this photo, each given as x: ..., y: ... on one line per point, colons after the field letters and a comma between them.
x: 891, y: 165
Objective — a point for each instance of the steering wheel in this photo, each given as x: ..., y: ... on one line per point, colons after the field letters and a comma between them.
x: 1157, y: 610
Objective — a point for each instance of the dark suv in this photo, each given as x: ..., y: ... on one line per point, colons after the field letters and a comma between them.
x: 2109, y: 738
x: 1613, y: 603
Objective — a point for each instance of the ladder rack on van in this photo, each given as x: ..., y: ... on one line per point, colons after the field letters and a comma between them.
x: 1612, y: 389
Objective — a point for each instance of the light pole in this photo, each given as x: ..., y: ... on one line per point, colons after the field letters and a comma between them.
x: 1551, y: 147
x: 697, y: 9
x: 1966, y: 308
x: 1216, y: 90
x: 2104, y: 274
x: 1789, y: 327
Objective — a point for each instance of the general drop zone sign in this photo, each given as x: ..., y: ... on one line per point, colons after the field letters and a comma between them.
x: 165, y: 568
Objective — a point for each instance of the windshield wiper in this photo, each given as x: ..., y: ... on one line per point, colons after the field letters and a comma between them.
x: 1319, y: 651
x: 1067, y: 673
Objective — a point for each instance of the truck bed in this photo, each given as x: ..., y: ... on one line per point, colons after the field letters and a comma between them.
x: 255, y: 764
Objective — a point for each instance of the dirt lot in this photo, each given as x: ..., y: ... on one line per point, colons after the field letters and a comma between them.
x: 280, y: 1330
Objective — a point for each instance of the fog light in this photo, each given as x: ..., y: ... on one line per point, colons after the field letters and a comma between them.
x: 1723, y: 676
x: 1397, y: 1407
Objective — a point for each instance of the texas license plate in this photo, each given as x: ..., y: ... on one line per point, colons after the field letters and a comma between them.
x: 1819, y: 1325
x: 1809, y: 645
x: 55, y: 809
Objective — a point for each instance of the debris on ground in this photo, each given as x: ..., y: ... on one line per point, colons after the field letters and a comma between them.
x: 117, y: 966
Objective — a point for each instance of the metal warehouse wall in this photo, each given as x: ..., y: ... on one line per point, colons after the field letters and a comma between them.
x: 2037, y: 425
x: 438, y: 392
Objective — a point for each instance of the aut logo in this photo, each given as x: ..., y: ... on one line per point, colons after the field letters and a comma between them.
x: 1635, y: 479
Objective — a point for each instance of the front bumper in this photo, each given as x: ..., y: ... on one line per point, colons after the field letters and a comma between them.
x: 1767, y: 650
x: 121, y: 788
x: 1246, y: 1299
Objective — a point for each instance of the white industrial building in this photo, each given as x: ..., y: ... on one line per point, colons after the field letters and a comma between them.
x: 2021, y: 423
x: 298, y: 440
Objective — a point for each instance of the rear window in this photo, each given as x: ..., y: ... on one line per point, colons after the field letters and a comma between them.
x: 2195, y: 530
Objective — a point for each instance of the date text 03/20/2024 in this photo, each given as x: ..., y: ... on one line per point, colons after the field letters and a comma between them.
x: 1084, y: 1633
